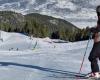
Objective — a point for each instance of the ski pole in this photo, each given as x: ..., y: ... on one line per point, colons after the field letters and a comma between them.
x: 90, y: 36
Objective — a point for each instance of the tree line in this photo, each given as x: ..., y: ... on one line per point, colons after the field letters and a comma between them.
x: 41, y: 27
x: 32, y: 28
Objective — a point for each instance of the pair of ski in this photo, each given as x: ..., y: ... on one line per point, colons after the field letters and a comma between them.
x: 84, y: 77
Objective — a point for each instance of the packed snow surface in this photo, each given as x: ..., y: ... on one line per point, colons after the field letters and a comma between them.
x: 28, y: 58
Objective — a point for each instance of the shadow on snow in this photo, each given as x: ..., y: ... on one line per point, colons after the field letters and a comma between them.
x: 68, y: 74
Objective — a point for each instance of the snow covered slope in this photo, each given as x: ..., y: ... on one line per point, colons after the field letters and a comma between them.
x: 15, y: 41
x: 47, y: 61
x: 20, y: 42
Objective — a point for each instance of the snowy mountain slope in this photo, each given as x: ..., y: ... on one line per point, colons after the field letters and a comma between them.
x: 15, y: 41
x: 71, y: 10
x: 48, y: 61
x: 20, y: 42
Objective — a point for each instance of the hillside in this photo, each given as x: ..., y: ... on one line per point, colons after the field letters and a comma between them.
x: 51, y: 21
x: 9, y: 19
x: 37, y: 25
x: 51, y: 25
x: 79, y: 12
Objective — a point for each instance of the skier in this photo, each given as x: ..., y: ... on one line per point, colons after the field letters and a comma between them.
x: 95, y: 52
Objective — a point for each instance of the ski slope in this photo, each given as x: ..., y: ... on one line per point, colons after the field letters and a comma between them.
x: 29, y: 58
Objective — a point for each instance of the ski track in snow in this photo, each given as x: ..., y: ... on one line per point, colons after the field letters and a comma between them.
x: 47, y: 61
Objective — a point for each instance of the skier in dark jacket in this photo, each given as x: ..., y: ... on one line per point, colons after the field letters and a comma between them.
x: 95, y: 52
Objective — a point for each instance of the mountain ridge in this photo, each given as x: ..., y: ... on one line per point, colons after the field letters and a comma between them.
x: 36, y: 24
x: 70, y: 10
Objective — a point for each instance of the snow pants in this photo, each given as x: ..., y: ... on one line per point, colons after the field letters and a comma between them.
x: 94, y: 56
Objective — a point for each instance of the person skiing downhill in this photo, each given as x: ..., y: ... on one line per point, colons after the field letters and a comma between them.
x: 95, y: 52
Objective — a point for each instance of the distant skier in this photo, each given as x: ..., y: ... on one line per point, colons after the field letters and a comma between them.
x: 17, y: 49
x: 95, y: 52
